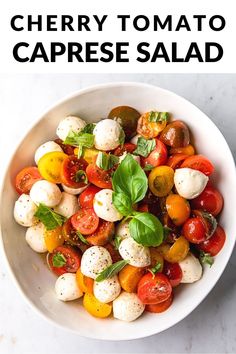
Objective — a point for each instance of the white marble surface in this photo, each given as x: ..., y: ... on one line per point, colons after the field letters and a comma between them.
x: 211, y: 328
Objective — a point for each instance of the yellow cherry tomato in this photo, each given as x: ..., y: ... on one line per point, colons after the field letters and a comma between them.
x: 88, y: 154
x: 156, y: 257
x: 176, y: 252
x: 149, y: 129
x: 50, y: 166
x: 84, y: 283
x: 53, y: 238
x: 187, y: 150
x: 178, y: 209
x: 161, y: 180
x: 95, y: 307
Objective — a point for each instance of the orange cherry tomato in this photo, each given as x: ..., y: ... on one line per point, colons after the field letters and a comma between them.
x: 149, y: 129
x: 176, y: 252
x: 84, y: 283
x: 178, y: 209
x: 187, y: 150
x: 161, y: 307
x: 129, y: 277
x: 175, y: 161
x: 26, y: 178
x: 102, y: 234
x: 53, y: 238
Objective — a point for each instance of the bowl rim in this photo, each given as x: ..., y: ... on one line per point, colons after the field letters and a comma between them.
x: 4, y: 176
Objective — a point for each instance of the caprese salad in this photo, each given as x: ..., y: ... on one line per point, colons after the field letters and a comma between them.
x: 124, y: 210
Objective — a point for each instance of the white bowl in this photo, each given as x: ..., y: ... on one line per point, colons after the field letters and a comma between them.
x: 31, y: 275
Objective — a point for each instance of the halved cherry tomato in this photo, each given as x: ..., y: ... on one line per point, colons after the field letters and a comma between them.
x: 173, y: 273
x: 161, y: 307
x: 72, y: 258
x: 194, y: 230
x: 129, y: 277
x: 102, y: 234
x: 209, y: 200
x: 115, y: 255
x: 68, y: 149
x: 85, y: 221
x: 157, y: 157
x: 175, y: 161
x: 53, y: 238
x: 161, y: 180
x: 95, y: 307
x: 26, y: 178
x: 127, y: 147
x: 73, y: 172
x: 86, y: 197
x: 175, y: 134
x: 187, y: 150
x: 156, y: 258
x: 176, y: 252
x: 89, y: 155
x: 215, y: 243
x: 178, y: 209
x: 50, y: 166
x: 99, y: 177
x: 69, y: 233
x: 208, y: 220
x: 154, y: 289
x: 149, y: 129
x: 200, y: 163
x: 84, y: 283
x: 127, y: 117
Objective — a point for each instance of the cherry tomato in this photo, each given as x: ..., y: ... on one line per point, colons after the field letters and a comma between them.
x: 200, y: 163
x: 161, y: 180
x: 53, y: 238
x: 177, y: 208
x: 208, y: 221
x: 209, y: 200
x: 115, y: 255
x: 99, y: 177
x: 149, y: 129
x: 102, y: 234
x: 86, y: 197
x: 73, y: 172
x: 127, y: 147
x: 176, y: 252
x: 215, y: 243
x: 72, y: 258
x: 127, y: 117
x: 50, y: 166
x: 95, y: 307
x: 194, y: 230
x: 26, y: 178
x: 175, y: 134
x: 69, y: 233
x: 143, y: 207
x: 187, y: 150
x: 85, y: 221
x: 154, y: 289
x: 156, y: 258
x: 173, y: 273
x: 85, y: 284
x: 175, y: 161
x: 68, y: 149
x: 157, y: 157
x: 161, y: 307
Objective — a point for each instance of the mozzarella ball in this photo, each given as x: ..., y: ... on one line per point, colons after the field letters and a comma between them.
x: 107, y: 290
x: 66, y: 287
x: 94, y: 260
x: 127, y: 307
x: 122, y: 230
x: 45, y: 192
x: 191, y: 269
x: 68, y: 205
x: 34, y: 236
x: 73, y: 191
x: 24, y: 211
x: 136, y: 254
x: 189, y: 183
x: 136, y: 158
x: 104, y: 207
x: 134, y: 140
x: 43, y: 149
x: 107, y: 134
x: 68, y: 124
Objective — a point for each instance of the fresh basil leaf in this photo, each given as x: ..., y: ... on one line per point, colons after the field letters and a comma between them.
x: 148, y: 167
x: 144, y: 147
x: 58, y: 260
x: 146, y: 229
x: 122, y: 137
x: 82, y: 238
x: 206, y: 258
x: 111, y: 270
x: 48, y: 217
x: 80, y: 139
x: 117, y: 241
x: 89, y: 128
x: 81, y: 176
x: 122, y: 203
x: 130, y: 179
x: 156, y: 268
x: 156, y: 117
x: 106, y: 161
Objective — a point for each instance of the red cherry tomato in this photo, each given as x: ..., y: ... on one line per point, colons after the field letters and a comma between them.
x: 215, y: 243
x: 85, y: 221
x: 67, y: 149
x: 173, y: 273
x: 200, y: 163
x: 176, y: 160
x: 102, y: 234
x: 194, y: 230
x: 127, y: 147
x: 209, y: 200
x: 71, y: 256
x: 86, y: 197
x: 99, y: 177
x: 154, y: 289
x: 71, y: 167
x: 157, y: 157
x: 26, y: 178
x: 161, y: 307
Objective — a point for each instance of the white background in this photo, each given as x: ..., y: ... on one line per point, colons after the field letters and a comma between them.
x: 211, y: 327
